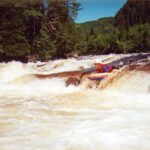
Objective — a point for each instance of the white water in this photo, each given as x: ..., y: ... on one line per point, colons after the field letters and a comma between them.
x: 44, y: 114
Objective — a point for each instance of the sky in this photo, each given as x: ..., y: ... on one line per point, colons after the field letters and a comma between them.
x: 95, y: 9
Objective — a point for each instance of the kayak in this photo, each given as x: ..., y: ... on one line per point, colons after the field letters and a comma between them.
x: 98, y: 76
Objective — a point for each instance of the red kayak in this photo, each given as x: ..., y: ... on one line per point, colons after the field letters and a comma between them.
x: 98, y: 76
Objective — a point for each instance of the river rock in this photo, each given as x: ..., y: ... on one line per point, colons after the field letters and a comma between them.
x: 73, y: 80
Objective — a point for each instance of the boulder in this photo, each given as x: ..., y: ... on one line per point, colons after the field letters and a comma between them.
x: 73, y: 80
x: 145, y: 68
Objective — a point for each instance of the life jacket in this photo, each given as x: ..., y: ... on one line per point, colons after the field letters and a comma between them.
x: 101, y: 68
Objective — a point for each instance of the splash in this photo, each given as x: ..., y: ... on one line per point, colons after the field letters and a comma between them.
x: 38, y: 113
x: 130, y: 79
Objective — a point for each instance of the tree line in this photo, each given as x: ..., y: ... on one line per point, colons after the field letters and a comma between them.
x: 46, y: 29
x: 127, y: 32
x: 110, y: 39
x: 27, y: 30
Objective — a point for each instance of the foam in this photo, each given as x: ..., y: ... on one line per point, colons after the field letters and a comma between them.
x: 45, y: 114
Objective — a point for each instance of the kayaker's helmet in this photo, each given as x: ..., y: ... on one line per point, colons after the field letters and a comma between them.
x: 99, y: 67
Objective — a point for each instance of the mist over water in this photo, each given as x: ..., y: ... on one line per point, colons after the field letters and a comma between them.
x: 45, y: 114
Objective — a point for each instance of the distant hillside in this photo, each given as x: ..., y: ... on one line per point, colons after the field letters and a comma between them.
x: 96, y: 25
x: 133, y: 12
x: 127, y: 32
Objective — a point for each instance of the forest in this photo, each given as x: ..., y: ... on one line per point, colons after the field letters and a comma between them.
x: 46, y: 29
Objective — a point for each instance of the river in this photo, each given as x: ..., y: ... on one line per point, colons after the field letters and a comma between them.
x: 45, y: 114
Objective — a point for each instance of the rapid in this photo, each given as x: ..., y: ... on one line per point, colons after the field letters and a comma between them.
x: 45, y: 114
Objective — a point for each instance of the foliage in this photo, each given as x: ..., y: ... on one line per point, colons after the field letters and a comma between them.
x: 28, y: 30
x: 133, y: 12
x: 13, y: 40
x: 25, y: 29
x: 133, y: 39
x: 127, y: 32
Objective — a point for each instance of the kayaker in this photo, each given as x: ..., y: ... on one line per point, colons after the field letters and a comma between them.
x: 101, y: 68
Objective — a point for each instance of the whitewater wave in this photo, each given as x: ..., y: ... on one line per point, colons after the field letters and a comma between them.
x: 128, y: 79
x: 38, y: 113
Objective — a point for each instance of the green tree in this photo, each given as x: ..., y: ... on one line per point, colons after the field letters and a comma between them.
x: 13, y: 40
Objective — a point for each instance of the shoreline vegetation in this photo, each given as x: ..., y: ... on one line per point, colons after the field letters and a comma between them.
x: 46, y: 30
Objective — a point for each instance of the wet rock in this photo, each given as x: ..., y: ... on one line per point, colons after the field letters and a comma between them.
x: 41, y: 65
x: 73, y: 81
x: 145, y: 68
x: 130, y: 60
